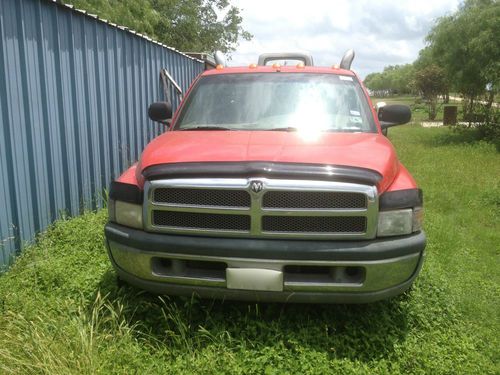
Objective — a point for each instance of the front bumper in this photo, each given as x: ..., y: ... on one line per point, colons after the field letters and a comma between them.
x: 266, y: 270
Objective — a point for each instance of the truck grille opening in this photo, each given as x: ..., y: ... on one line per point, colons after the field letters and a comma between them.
x: 307, y: 270
x: 278, y: 208
x: 189, y: 268
x: 298, y: 274
x: 314, y: 224
x: 324, y: 275
x: 194, y: 220
x: 202, y: 197
x: 313, y: 199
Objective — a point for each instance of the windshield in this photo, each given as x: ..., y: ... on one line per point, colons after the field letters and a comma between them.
x: 277, y: 101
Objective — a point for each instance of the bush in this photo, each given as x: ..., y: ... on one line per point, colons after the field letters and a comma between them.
x: 486, y: 118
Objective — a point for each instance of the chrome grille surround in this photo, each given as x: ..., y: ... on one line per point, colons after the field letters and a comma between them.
x: 256, y: 212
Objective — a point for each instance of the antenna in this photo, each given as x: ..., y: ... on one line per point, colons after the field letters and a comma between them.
x: 346, y: 61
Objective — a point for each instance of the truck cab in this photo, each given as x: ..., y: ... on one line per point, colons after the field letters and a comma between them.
x: 272, y: 183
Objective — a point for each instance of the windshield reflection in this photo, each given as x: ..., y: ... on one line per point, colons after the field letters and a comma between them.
x: 306, y: 103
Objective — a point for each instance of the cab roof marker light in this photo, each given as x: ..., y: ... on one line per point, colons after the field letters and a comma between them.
x: 252, y: 66
x: 300, y: 65
x: 219, y: 67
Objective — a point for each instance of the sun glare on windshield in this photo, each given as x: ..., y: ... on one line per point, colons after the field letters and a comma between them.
x: 303, y: 102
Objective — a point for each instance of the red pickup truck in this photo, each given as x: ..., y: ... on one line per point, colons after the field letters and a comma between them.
x: 272, y: 183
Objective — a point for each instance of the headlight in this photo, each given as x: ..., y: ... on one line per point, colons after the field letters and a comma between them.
x: 418, y: 218
x: 125, y: 204
x: 111, y: 210
x: 395, y: 217
x: 399, y: 222
x: 125, y: 213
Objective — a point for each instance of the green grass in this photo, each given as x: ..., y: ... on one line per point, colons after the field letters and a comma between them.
x: 419, y: 108
x: 62, y: 312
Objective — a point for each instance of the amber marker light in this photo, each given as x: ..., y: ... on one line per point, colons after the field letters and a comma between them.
x: 336, y: 66
x: 219, y: 67
x: 252, y: 66
x: 300, y: 66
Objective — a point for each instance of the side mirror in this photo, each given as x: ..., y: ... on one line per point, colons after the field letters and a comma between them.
x: 160, y: 112
x: 378, y: 107
x: 393, y: 114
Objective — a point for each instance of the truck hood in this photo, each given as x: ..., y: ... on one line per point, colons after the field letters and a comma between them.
x: 366, y: 150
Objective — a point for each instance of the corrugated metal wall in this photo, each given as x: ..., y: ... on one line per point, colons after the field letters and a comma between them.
x: 74, y: 91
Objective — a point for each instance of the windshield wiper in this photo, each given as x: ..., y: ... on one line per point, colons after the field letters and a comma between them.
x: 284, y: 129
x: 205, y: 128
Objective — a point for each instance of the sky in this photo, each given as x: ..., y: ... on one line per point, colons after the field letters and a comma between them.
x: 381, y: 32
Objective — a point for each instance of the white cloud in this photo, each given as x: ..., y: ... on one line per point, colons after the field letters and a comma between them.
x: 381, y: 32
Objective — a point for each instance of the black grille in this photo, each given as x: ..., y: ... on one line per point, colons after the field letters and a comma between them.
x: 201, y: 220
x: 313, y: 199
x: 202, y: 197
x: 314, y: 224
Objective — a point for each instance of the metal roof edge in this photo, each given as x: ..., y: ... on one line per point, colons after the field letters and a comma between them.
x: 120, y: 27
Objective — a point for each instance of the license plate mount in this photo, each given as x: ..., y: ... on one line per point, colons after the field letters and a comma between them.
x: 257, y: 279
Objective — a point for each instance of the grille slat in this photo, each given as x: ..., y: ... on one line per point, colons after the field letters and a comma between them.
x: 193, y: 220
x: 314, y: 224
x: 202, y: 197
x: 313, y: 200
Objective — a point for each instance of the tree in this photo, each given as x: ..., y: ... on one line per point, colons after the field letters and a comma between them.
x: 426, y: 59
x: 431, y: 82
x: 187, y: 25
x: 194, y: 24
x: 394, y: 80
x: 467, y: 46
x: 462, y: 54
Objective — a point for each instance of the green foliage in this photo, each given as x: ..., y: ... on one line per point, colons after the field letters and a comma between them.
x: 62, y: 312
x: 430, y: 81
x: 394, y: 80
x: 466, y: 44
x: 187, y: 25
x: 462, y: 54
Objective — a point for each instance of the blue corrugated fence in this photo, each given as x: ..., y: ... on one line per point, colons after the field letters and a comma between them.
x: 74, y: 92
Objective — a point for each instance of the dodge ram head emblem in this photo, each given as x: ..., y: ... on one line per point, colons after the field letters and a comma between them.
x: 257, y: 186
